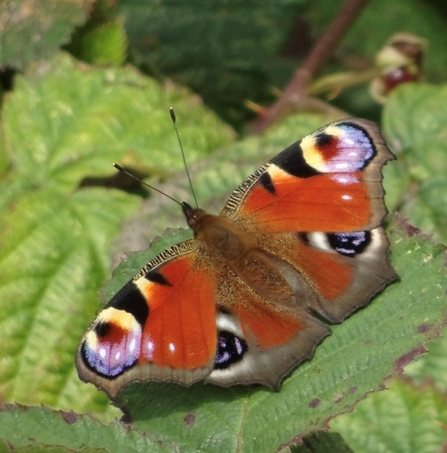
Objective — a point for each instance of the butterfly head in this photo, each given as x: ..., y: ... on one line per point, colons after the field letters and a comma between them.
x: 194, y: 217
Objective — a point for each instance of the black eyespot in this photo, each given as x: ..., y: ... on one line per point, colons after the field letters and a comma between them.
x: 102, y: 329
x: 322, y: 139
x: 230, y: 349
x: 349, y: 244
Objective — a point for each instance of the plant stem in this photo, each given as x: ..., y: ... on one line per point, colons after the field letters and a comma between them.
x: 294, y: 97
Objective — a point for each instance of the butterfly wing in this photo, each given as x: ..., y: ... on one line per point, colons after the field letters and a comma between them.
x: 329, y: 181
x: 160, y: 325
x: 336, y: 273
x: 315, y: 211
x: 261, y: 338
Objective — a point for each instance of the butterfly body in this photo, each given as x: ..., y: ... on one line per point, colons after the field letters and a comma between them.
x: 236, y: 304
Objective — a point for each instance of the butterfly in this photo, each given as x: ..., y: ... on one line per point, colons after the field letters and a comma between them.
x: 298, y: 242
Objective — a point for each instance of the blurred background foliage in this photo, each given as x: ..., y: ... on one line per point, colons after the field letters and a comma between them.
x: 227, y: 51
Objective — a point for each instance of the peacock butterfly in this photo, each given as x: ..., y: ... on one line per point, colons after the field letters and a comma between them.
x: 298, y: 241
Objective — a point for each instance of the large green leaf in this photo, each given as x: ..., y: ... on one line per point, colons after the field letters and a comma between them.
x: 41, y: 429
x: 370, y: 346
x: 415, y: 125
x: 373, y: 344
x: 404, y: 419
x: 31, y: 30
x: 64, y: 122
x: 228, y: 51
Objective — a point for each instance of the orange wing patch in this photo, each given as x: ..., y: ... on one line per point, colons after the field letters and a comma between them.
x: 180, y: 331
x: 326, y: 202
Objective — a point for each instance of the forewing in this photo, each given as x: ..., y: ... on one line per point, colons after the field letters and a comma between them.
x: 159, y: 326
x: 330, y: 181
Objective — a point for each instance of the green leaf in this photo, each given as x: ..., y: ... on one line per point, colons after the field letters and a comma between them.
x: 371, y: 345
x: 104, y: 44
x: 55, y: 236
x: 33, y: 30
x: 432, y: 365
x: 44, y: 430
x: 322, y: 442
x: 228, y: 51
x: 79, y: 121
x: 404, y: 419
x: 415, y: 128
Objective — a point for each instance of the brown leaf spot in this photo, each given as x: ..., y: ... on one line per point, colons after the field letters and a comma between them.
x: 189, y: 419
x: 314, y: 403
x: 69, y: 417
x: 405, y: 359
x: 424, y: 328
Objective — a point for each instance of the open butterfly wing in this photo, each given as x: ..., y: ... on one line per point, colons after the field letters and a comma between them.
x: 160, y: 325
x: 258, y: 341
x: 335, y: 273
x: 330, y: 181
x: 318, y: 206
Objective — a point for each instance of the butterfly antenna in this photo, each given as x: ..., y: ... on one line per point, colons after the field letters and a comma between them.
x: 174, y: 121
x: 128, y: 173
